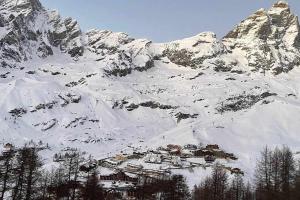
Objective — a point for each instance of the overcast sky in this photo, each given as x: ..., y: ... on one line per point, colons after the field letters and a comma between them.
x: 161, y: 20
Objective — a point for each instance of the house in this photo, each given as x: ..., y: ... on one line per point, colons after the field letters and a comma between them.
x: 209, y: 159
x: 162, y: 149
x: 153, y: 158
x: 203, y: 152
x: 185, y: 153
x: 212, y: 146
x: 171, y: 147
x: 236, y: 171
x: 191, y: 147
x: 219, y: 153
x: 120, y: 157
x: 111, y: 162
x: 231, y: 156
x: 7, y: 148
x: 134, y: 167
x: 117, y: 189
x: 136, y: 155
x: 176, y: 161
x: 150, y: 175
x: 119, y: 176
x: 175, y: 152
x: 87, y: 167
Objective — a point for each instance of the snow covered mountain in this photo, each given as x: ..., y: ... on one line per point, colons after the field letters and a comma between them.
x: 105, y: 92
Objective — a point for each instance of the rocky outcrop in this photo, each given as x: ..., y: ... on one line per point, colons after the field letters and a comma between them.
x: 269, y: 39
x: 120, y: 54
x: 242, y: 101
x: 31, y: 31
x: 65, y: 34
x: 194, y: 52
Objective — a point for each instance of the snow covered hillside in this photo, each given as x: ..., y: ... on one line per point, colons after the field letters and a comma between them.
x: 102, y: 91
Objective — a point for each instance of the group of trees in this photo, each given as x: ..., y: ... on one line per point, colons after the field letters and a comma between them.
x: 19, y: 174
x: 218, y: 186
x: 277, y: 177
x: 23, y: 177
x: 172, y: 188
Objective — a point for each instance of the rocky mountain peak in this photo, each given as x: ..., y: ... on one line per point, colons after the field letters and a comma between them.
x: 281, y: 4
x: 269, y: 38
x: 21, y: 6
x: 270, y: 24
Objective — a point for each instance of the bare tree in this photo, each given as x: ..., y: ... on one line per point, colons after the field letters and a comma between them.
x: 6, y: 170
x: 287, y: 172
x: 263, y: 175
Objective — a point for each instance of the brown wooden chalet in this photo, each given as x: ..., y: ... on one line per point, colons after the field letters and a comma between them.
x: 209, y: 159
x: 119, y: 176
x: 237, y: 171
x: 212, y: 146
x: 203, y: 152
x: 173, y: 147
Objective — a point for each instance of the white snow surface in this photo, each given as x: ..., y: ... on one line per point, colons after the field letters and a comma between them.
x: 94, y: 125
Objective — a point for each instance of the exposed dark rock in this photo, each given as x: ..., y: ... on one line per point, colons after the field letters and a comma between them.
x: 291, y: 95
x: 4, y: 75
x: 74, y: 123
x: 118, y: 72
x: 119, y: 104
x: 31, y: 72
x: 198, y: 100
x: 149, y: 104
x: 220, y: 66
x: 132, y: 107
x: 154, y: 105
x: 198, y: 75
x: 69, y: 98
x: 180, y: 116
x: 90, y: 75
x: 242, y: 102
x: 49, y: 124
x: 44, y: 106
x: 185, y: 58
x: 75, y: 83
x: 121, y: 72
x: 55, y: 73
x: 18, y: 112
x: 44, y: 50
x: 237, y: 71
x: 230, y: 79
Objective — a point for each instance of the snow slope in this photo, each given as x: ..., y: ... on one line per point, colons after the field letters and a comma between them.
x: 102, y: 91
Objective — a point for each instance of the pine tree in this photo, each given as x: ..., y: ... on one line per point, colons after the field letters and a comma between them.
x: 214, y: 187
x: 287, y: 172
x: 6, y: 170
x: 275, y: 173
x: 296, y: 189
x: 27, y: 173
x: 237, y: 188
x: 179, y: 188
x: 263, y: 175
x: 92, y: 190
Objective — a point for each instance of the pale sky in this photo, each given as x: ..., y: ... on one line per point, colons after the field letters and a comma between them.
x: 161, y: 20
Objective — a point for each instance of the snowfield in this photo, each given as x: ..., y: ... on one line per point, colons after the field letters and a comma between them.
x: 122, y: 93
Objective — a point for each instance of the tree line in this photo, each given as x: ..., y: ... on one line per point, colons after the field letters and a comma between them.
x: 277, y: 177
x: 23, y: 176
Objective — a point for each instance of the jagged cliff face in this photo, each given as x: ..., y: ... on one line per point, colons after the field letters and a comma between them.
x: 29, y: 31
x: 268, y: 39
x: 104, y: 92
